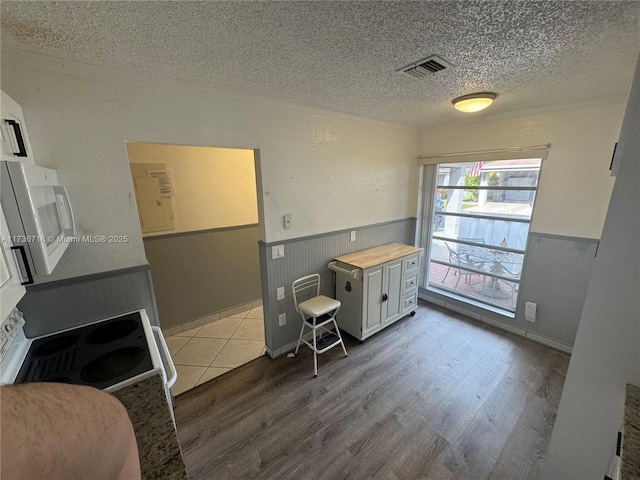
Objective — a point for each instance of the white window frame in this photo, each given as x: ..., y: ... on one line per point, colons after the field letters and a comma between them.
x: 429, y: 165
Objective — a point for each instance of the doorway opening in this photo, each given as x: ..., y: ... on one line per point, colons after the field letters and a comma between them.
x: 199, y: 218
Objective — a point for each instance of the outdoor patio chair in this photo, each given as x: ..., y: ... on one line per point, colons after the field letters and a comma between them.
x: 461, y: 260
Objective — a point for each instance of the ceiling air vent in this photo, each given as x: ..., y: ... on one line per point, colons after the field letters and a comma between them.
x: 426, y: 67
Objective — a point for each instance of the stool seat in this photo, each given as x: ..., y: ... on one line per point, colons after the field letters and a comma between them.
x: 319, y: 305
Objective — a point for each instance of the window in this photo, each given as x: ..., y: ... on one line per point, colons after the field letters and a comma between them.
x: 481, y: 215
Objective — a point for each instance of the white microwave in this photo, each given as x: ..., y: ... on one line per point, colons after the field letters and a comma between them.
x: 39, y: 217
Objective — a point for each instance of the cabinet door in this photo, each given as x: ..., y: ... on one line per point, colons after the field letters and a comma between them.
x: 373, y: 283
x: 14, y: 139
x: 11, y: 289
x: 393, y: 289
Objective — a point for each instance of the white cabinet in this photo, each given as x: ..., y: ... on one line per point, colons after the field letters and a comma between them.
x: 11, y: 289
x: 14, y: 139
x: 376, y: 287
x: 382, y: 295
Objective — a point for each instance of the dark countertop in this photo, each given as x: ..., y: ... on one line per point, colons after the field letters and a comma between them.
x: 158, y: 445
x: 630, y: 468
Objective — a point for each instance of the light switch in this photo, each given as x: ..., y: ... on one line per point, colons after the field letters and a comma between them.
x: 353, y: 235
x: 280, y: 293
x: 287, y: 221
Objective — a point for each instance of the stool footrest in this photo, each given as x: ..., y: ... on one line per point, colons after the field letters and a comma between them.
x: 327, y: 342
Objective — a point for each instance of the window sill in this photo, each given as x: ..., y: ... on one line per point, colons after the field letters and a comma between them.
x: 483, y: 307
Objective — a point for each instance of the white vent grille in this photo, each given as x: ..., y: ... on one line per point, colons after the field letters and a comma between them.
x: 426, y: 67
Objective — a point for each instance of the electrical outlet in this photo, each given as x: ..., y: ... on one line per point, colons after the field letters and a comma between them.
x: 530, y: 310
x: 277, y: 251
x: 353, y: 235
x: 280, y: 292
x: 282, y: 319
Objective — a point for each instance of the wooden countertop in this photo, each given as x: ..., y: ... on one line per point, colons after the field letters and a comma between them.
x: 378, y: 255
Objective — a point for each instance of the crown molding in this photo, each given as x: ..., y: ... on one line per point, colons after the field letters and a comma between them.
x: 40, y: 61
x: 619, y: 99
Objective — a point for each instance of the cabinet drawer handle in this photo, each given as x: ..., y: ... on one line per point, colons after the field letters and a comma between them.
x: 385, y: 297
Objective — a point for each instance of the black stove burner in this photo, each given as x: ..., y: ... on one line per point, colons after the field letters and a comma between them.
x: 112, y: 364
x: 112, y: 331
x: 100, y: 355
x: 55, y: 345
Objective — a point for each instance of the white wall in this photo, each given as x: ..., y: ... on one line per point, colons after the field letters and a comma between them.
x: 329, y: 171
x: 575, y: 185
x: 606, y: 354
x: 213, y: 187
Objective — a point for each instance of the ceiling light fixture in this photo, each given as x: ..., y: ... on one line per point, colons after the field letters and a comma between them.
x: 474, y: 102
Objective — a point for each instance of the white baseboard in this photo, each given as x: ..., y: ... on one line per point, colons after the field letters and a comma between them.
x: 502, y: 325
x: 282, y: 350
x: 212, y: 317
x: 563, y: 347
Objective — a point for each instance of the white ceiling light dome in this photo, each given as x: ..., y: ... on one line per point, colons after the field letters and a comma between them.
x: 474, y: 102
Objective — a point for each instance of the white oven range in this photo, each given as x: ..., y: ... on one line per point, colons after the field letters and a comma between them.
x: 108, y: 354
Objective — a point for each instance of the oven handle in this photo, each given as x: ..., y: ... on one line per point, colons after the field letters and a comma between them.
x: 174, y: 373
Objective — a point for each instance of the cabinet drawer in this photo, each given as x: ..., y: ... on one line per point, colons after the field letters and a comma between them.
x: 409, y: 301
x: 410, y: 282
x: 411, y: 262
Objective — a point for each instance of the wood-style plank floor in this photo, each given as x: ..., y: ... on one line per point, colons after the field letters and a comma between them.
x: 433, y: 396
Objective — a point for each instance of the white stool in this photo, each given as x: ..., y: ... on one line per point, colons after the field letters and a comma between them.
x: 318, y: 313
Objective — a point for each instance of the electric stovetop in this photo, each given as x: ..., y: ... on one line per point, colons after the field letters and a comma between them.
x: 101, y: 354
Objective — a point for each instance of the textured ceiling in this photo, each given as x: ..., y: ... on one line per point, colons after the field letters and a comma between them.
x: 343, y: 56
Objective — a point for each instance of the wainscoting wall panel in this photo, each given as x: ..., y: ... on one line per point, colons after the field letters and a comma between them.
x: 312, y: 255
x: 558, y: 270
x: 196, y: 274
x: 54, y: 306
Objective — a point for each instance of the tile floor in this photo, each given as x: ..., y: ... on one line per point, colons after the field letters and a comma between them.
x: 205, y: 352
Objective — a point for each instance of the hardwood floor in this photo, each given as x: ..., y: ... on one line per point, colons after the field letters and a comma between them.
x: 434, y: 396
